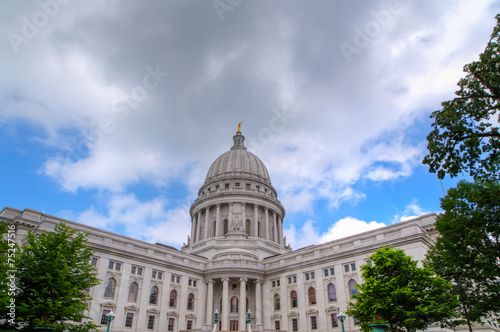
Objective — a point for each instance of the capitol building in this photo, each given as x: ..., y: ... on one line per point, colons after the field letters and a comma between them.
x: 236, y: 262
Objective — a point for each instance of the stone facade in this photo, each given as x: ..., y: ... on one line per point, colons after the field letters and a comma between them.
x: 235, y: 259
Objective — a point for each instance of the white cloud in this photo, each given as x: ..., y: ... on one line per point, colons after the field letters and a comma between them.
x: 308, y: 234
x: 350, y: 121
x: 349, y: 226
x: 150, y: 221
x: 412, y: 210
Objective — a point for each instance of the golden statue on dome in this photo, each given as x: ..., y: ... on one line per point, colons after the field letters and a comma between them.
x: 239, y: 126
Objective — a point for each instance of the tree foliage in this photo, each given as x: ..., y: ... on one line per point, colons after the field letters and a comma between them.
x: 465, y: 135
x: 406, y: 296
x: 53, y: 276
x: 470, y: 242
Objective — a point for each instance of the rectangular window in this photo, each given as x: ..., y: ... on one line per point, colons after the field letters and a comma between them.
x: 332, y: 271
x: 226, y: 185
x: 129, y: 319
x: 237, y: 184
x: 277, y: 325
x: 189, y: 325
x: 335, y: 322
x: 277, y: 283
x: 257, y: 187
x: 346, y: 267
x: 369, y: 262
x: 235, y: 286
x: 314, y: 324
x: 104, y: 319
x: 353, y: 267
x: 274, y: 284
x: 189, y: 282
x: 248, y: 185
x: 151, y: 322
x: 326, y: 272
x: 114, y: 266
x: 289, y: 280
x: 216, y: 186
x: 194, y: 283
x: 171, y: 324
x: 136, y: 270
x: 159, y: 275
x: 93, y: 261
x: 153, y: 274
x: 178, y: 279
x: 313, y: 275
x: 295, y: 325
x: 294, y: 279
x: 172, y: 278
x: 307, y: 276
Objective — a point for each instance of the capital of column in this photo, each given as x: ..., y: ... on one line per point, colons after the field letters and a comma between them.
x: 211, y: 281
x: 225, y: 279
x: 243, y: 279
x: 258, y: 281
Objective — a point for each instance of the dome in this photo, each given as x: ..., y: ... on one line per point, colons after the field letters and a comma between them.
x: 238, y: 162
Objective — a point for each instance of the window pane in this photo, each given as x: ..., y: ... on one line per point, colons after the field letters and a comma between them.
x: 129, y: 319
x: 151, y: 322
x: 104, y: 319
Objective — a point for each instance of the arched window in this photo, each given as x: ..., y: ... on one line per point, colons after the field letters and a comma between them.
x: 153, y: 295
x: 312, y: 296
x: 332, y: 293
x: 173, y: 299
x: 293, y: 297
x: 190, y: 304
x: 352, y: 287
x: 132, y: 292
x: 234, y: 304
x: 277, y: 304
x: 110, y: 288
x: 247, y: 227
x: 226, y: 226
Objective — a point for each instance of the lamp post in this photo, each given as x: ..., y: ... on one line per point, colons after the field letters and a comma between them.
x: 341, y: 316
x: 110, y: 316
x: 249, y: 320
x: 456, y: 275
x: 216, y: 316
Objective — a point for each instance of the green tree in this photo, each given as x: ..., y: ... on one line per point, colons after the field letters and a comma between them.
x: 406, y: 296
x: 54, y: 275
x: 464, y: 137
x: 470, y: 242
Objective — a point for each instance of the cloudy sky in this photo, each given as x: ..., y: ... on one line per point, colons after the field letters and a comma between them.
x: 111, y: 112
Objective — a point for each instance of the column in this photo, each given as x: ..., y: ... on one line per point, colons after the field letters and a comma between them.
x: 280, y: 224
x: 225, y: 304
x: 275, y: 225
x: 210, y: 302
x: 230, y: 217
x: 198, y: 228
x: 217, y: 221
x: 243, y: 304
x: 258, y: 302
x: 206, y: 222
x: 244, y: 223
x: 256, y: 219
x: 193, y: 228
x: 266, y: 226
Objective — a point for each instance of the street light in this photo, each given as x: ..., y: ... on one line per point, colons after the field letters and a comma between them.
x: 341, y: 316
x: 248, y: 316
x: 456, y: 275
x: 110, y: 316
x: 216, y: 316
